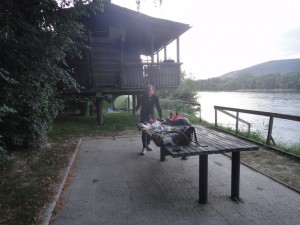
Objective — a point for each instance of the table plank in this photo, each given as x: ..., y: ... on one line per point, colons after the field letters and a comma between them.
x: 225, y: 137
x: 226, y: 141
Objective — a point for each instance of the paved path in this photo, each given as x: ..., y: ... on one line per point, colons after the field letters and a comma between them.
x: 113, y: 184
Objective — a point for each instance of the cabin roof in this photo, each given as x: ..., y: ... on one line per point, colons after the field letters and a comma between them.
x: 140, y: 27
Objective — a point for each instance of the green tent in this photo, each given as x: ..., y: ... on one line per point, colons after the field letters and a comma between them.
x: 123, y: 102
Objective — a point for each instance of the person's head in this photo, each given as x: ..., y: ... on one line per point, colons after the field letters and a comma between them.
x: 149, y: 90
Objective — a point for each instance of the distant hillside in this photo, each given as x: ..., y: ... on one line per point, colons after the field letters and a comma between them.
x: 273, y: 75
x: 271, y: 67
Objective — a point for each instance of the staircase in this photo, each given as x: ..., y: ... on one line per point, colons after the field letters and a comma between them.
x: 106, y: 62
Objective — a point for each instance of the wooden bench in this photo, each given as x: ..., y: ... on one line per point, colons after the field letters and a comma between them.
x: 211, y: 142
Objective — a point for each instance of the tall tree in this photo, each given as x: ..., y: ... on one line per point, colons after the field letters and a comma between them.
x: 35, y: 38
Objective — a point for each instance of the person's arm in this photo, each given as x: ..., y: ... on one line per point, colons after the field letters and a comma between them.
x: 158, y: 107
x: 137, y: 110
x: 138, y: 105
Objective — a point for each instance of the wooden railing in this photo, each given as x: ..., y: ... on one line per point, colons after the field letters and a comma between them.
x: 254, y: 112
x: 129, y: 75
x: 136, y: 75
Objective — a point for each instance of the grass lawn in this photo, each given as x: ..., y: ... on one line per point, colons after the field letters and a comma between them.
x: 78, y: 126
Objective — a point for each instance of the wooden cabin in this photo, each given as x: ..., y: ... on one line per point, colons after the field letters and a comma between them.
x: 120, y: 40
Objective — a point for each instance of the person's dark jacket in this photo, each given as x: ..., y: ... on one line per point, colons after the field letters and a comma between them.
x: 147, y: 103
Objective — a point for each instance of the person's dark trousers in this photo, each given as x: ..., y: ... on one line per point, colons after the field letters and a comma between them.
x: 146, y: 138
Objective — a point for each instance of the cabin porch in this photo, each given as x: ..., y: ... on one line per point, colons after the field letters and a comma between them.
x: 127, y: 51
x: 123, y: 77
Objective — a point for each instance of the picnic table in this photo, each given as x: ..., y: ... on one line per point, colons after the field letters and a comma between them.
x: 210, y: 142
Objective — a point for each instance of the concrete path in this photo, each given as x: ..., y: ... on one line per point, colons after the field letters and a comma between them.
x: 113, y: 184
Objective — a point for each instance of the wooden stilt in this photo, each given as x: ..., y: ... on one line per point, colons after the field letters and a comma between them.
x: 133, y: 103
x: 99, y: 107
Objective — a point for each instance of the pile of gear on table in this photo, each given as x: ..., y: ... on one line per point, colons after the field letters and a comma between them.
x: 176, y: 130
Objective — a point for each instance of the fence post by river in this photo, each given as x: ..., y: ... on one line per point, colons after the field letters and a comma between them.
x: 271, y: 116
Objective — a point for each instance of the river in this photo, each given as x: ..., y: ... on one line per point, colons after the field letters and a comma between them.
x: 284, y: 131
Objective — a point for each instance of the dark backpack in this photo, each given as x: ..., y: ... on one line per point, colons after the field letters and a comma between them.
x: 182, y: 136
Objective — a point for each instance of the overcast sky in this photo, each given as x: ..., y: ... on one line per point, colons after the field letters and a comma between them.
x: 228, y: 35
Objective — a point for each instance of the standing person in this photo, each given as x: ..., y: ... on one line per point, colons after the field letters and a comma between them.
x: 147, y: 103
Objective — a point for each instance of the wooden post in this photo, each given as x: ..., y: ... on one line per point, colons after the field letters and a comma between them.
x: 237, y: 122
x: 99, y: 108
x: 216, y: 118
x: 235, y: 117
x: 122, y: 48
x: 152, y: 59
x: 152, y: 49
x: 178, y: 50
x: 128, y: 103
x: 270, y: 130
x: 200, y: 119
x: 120, y: 77
x: 133, y: 103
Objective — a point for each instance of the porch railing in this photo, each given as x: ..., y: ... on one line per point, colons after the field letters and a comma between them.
x: 129, y: 75
x: 136, y: 75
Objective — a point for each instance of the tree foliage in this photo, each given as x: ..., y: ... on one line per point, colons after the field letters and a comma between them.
x: 4, y: 109
x: 138, y: 3
x: 35, y: 38
x: 263, y: 82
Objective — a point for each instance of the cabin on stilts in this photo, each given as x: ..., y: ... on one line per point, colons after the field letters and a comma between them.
x: 120, y: 40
